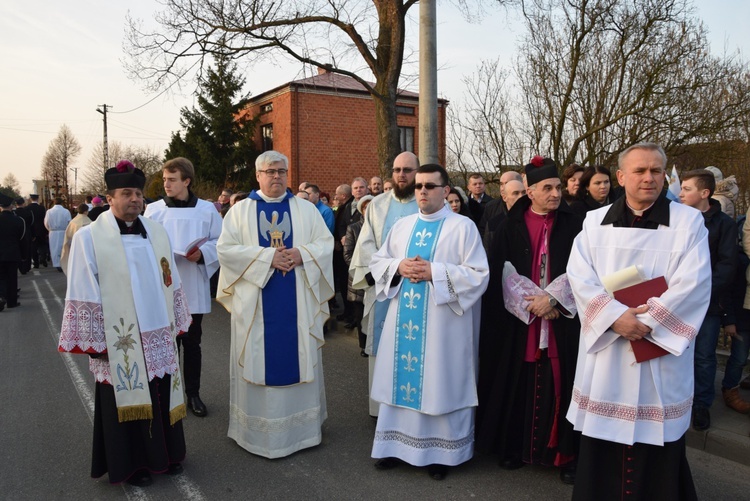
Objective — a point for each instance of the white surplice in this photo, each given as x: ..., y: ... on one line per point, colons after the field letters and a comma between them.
x: 442, y: 430
x: 185, y: 225
x: 56, y: 220
x: 83, y: 321
x: 274, y: 421
x: 615, y: 398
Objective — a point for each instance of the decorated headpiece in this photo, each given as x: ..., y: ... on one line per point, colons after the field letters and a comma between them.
x: 124, y: 175
x: 539, y: 169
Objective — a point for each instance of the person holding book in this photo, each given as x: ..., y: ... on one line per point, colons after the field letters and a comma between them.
x: 526, y: 370
x: 697, y: 188
x: 634, y: 415
x: 194, y: 226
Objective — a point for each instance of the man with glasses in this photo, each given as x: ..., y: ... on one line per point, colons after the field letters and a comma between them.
x: 527, y: 370
x: 382, y: 214
x: 276, y: 278
x: 431, y: 272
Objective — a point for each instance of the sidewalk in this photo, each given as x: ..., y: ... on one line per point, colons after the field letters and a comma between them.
x: 728, y: 435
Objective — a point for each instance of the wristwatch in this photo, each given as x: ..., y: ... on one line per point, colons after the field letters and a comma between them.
x: 552, y: 301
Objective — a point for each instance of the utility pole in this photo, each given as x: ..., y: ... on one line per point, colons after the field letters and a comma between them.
x: 75, y: 181
x: 103, y: 111
x: 428, y: 123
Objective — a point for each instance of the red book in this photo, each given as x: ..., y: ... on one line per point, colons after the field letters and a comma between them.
x: 635, y: 296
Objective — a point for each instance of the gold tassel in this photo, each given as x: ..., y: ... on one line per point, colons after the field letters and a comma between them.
x: 134, y: 413
x: 179, y: 412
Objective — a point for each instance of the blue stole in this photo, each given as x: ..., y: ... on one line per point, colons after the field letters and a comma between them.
x: 396, y: 211
x: 279, y: 296
x: 411, y: 321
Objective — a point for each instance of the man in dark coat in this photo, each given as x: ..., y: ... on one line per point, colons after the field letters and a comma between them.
x: 28, y: 218
x: 39, y: 241
x: 12, y: 231
x: 526, y: 378
x: 346, y: 214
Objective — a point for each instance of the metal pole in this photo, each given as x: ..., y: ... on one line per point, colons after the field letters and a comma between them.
x: 428, y: 123
x: 103, y: 111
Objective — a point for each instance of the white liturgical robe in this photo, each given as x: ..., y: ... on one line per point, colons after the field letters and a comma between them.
x: 440, y: 428
x: 274, y: 421
x: 185, y: 225
x: 56, y: 220
x: 615, y: 398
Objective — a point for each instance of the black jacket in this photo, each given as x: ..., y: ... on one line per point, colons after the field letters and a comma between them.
x: 502, y: 341
x: 39, y: 231
x: 722, y: 242
x: 344, y: 218
x: 12, y: 230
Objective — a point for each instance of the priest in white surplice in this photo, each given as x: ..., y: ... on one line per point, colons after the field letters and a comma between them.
x: 56, y: 221
x: 634, y: 416
x: 123, y: 307
x: 433, y: 270
x: 276, y: 279
x: 382, y: 214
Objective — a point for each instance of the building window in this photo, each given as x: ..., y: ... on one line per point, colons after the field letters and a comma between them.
x: 267, y: 136
x: 266, y: 108
x: 406, y: 138
x: 405, y: 110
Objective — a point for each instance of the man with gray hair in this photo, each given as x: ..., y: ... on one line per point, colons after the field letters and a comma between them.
x: 376, y: 186
x: 275, y: 280
x: 496, y: 209
x: 634, y: 412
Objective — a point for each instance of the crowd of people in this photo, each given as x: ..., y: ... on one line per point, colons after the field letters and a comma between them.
x: 567, y: 323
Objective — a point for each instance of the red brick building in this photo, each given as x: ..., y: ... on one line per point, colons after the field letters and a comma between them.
x: 325, y: 125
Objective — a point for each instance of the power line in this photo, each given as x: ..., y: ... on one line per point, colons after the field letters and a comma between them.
x: 160, y: 93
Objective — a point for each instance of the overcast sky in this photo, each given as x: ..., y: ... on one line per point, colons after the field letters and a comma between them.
x: 62, y: 59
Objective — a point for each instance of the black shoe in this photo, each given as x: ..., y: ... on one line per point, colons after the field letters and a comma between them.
x: 511, y: 463
x: 437, y: 471
x: 36, y: 266
x: 174, y: 469
x: 59, y: 269
x: 387, y: 463
x: 196, y: 404
x: 44, y: 263
x: 2, y: 304
x: 568, y: 474
x: 363, y: 354
x: 701, y: 418
x: 14, y: 305
x: 141, y: 478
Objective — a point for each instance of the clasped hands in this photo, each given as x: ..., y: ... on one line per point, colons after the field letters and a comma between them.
x: 539, y: 306
x: 415, y: 269
x: 285, y: 259
x: 628, y: 325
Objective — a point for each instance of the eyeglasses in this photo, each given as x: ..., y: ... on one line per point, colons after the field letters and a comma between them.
x: 427, y: 186
x: 405, y: 170
x: 273, y: 172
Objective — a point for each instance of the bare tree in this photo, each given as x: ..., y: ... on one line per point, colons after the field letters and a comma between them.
x: 146, y: 159
x: 11, y: 182
x: 342, y: 36
x: 61, y: 153
x: 598, y: 75
x: 481, y: 133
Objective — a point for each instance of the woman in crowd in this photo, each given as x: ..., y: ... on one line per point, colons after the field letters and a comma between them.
x: 570, y: 181
x: 457, y: 202
x: 593, y: 191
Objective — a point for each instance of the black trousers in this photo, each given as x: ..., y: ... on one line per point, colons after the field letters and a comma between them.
x: 40, y: 250
x: 9, y: 281
x: 190, y: 342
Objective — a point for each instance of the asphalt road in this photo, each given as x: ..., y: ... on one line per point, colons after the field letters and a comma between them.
x: 47, y: 408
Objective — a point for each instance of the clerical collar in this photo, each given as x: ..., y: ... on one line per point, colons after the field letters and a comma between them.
x: 621, y: 215
x: 638, y: 213
x: 541, y: 214
x: 439, y: 214
x: 259, y: 195
x: 134, y: 228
